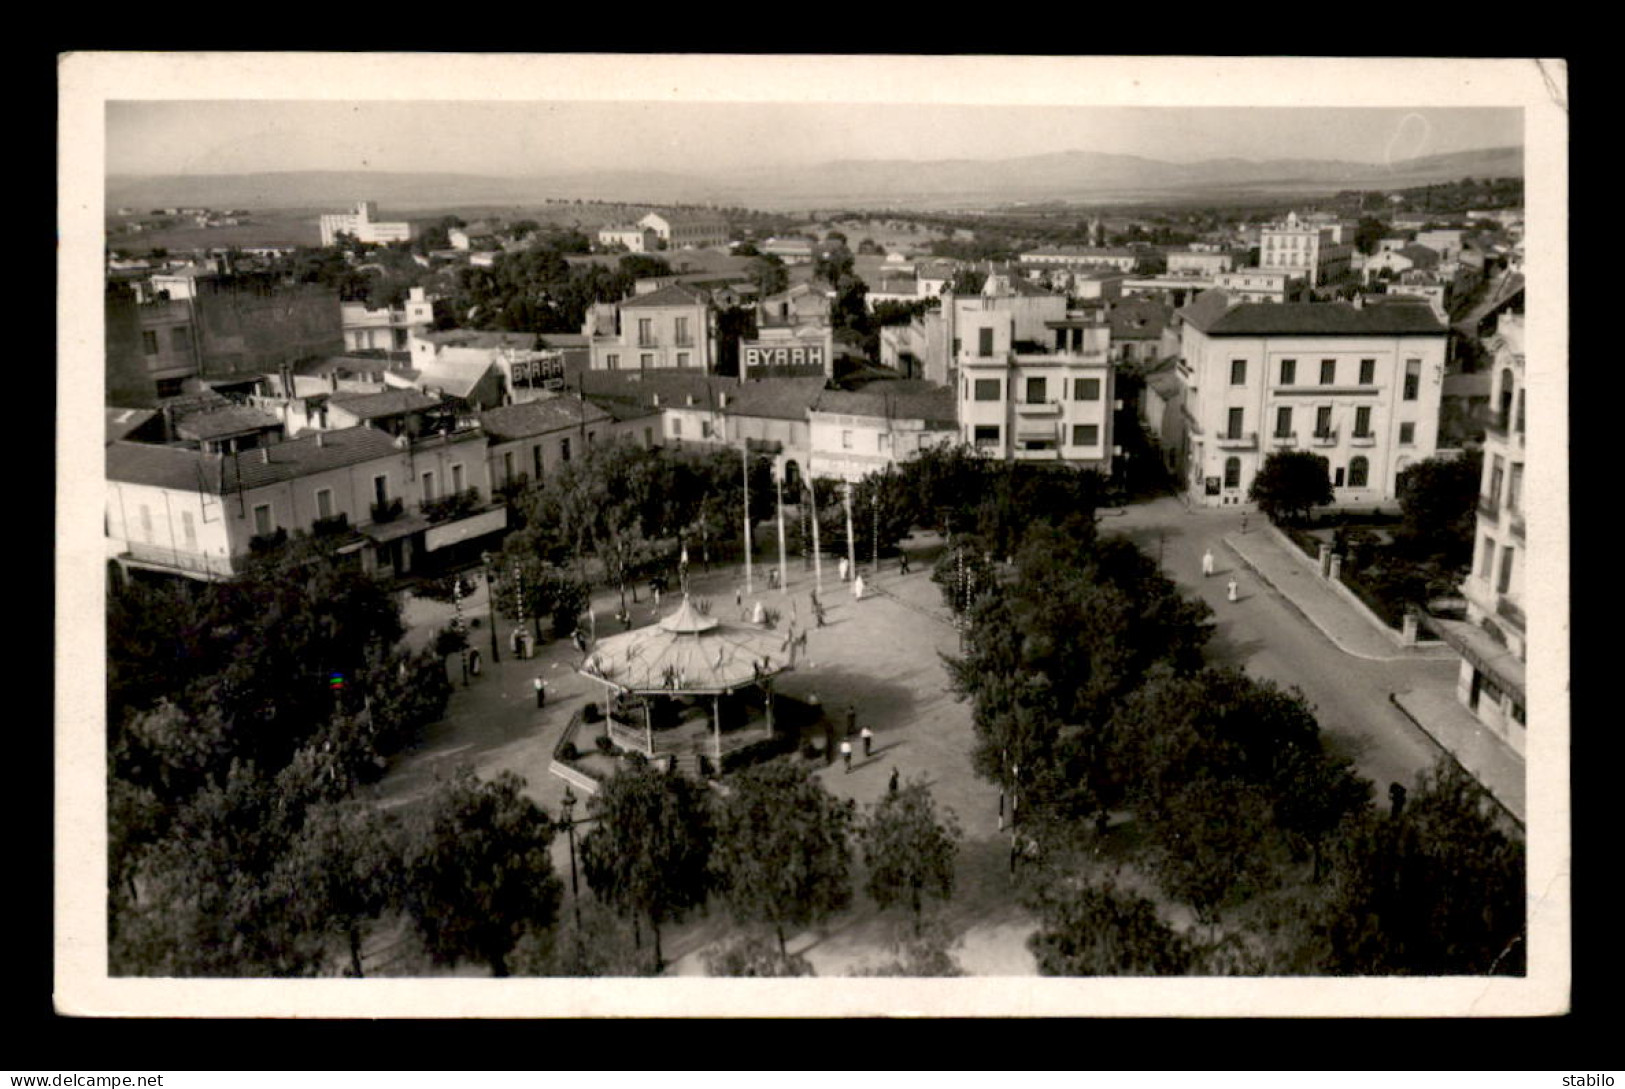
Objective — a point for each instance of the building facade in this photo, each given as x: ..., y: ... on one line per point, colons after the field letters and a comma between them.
x: 857, y: 432
x: 1304, y: 249
x: 680, y: 231
x: 1359, y: 388
x: 667, y: 329
x: 364, y: 225
x: 385, y: 329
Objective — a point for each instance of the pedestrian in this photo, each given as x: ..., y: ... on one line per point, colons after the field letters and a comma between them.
x: 656, y: 590
x: 1230, y: 590
x: 891, y: 784
x: 474, y: 662
x: 739, y: 597
x: 846, y: 754
x: 1244, y: 521
x: 868, y: 736
x: 1207, y: 563
x: 843, y: 568
x: 857, y: 588
x: 1396, y: 799
x: 773, y: 578
x: 541, y: 692
x: 758, y: 615
x: 902, y: 563
x: 818, y: 609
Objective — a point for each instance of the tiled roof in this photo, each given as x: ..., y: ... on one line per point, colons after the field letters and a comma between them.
x: 1213, y: 313
x: 909, y: 399
x: 231, y: 420
x: 540, y: 417
x: 777, y: 398
x: 122, y: 421
x: 670, y: 295
x: 191, y: 470
x: 370, y: 406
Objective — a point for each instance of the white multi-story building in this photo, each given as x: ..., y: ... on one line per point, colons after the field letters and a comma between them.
x: 1492, y: 641
x: 670, y: 328
x: 687, y: 231
x: 1259, y: 285
x: 636, y: 238
x: 1201, y: 262
x: 1304, y: 249
x: 1358, y: 387
x: 1049, y: 402
x: 385, y: 329
x: 858, y: 432
x: 364, y: 225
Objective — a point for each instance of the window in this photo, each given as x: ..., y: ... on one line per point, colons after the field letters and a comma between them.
x: 984, y: 342
x: 646, y: 331
x: 987, y: 389
x: 1238, y: 372
x: 380, y: 489
x: 1086, y: 389
x: 1036, y: 389
x: 149, y: 341
x: 682, y: 359
x: 646, y: 360
x: 1362, y: 421
x: 1368, y: 371
x: 1504, y: 583
x: 1413, y: 378
x: 591, y: 435
x: 324, y: 502
x: 507, y: 467
x: 1407, y: 434
x: 846, y: 440
x: 1337, y: 481
x: 188, y: 530
x: 1085, y: 434
x: 1359, y: 469
x: 1328, y: 371
x: 262, y: 519
x: 705, y: 429
x: 986, y: 434
x: 1232, y: 472
x: 1515, y: 486
x: 1283, y: 422
x: 536, y: 458
x: 682, y: 331
x: 648, y: 441
x: 456, y: 478
x: 613, y: 361
x: 1233, y: 423
x: 1289, y: 371
x: 1323, y: 421
x: 1497, y: 471
x: 1486, y: 557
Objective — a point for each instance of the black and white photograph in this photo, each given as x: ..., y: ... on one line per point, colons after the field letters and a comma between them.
x: 581, y: 535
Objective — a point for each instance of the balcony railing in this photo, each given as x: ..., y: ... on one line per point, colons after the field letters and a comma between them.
x: 335, y: 526
x: 386, y: 511
x: 1236, y: 440
x: 1363, y: 438
x: 1506, y: 610
x: 1284, y: 438
x: 196, y: 562
x: 1039, y: 408
x: 1324, y: 438
x: 448, y: 507
x: 1489, y: 508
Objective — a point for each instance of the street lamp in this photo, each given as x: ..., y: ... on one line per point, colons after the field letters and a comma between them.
x: 566, y: 811
x: 491, y: 604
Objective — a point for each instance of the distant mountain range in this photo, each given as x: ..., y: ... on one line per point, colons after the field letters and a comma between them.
x: 1081, y: 176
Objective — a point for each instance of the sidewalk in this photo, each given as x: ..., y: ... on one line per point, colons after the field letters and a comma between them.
x: 1317, y: 602
x: 1484, y: 756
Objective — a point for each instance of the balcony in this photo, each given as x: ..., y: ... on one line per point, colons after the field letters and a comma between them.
x: 386, y: 510
x: 1363, y: 438
x: 1236, y: 440
x: 171, y: 559
x: 1506, y: 610
x: 447, y: 507
x: 1489, y: 508
x: 1285, y: 438
x: 1515, y: 522
x: 1324, y: 438
x: 1038, y: 408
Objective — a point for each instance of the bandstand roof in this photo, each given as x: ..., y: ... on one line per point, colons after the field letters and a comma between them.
x: 689, y: 652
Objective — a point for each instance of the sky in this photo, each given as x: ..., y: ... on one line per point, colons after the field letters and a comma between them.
x: 505, y: 138
x: 526, y: 115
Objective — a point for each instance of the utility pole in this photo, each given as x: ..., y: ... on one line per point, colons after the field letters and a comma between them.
x: 778, y: 486
x: 851, y: 544
x: 744, y: 453
x: 818, y: 554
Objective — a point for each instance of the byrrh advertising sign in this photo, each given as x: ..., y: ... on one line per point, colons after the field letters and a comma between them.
x: 546, y: 371
x: 801, y: 356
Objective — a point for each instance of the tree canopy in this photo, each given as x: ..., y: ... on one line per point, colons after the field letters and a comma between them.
x: 1290, y: 484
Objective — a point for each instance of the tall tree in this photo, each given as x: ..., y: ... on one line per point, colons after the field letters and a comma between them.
x: 477, y: 868
x: 782, y: 850
x: 649, y: 855
x: 1100, y: 930
x: 340, y: 873
x: 909, y: 851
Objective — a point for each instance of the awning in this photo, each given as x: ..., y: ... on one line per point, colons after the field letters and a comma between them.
x: 478, y: 525
x: 404, y: 526
x: 1486, y: 655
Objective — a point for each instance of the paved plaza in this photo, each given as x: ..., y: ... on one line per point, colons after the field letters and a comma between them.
x: 881, y: 655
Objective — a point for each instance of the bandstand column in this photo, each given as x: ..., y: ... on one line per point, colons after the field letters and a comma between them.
x: 717, y: 728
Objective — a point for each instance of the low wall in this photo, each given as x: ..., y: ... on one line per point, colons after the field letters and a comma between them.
x: 1393, y: 636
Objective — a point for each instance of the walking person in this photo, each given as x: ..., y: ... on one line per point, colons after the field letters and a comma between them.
x: 857, y: 588
x: 868, y: 736
x: 541, y: 692
x: 846, y: 753
x: 842, y: 568
x: 891, y: 784
x: 818, y: 609
x: 1244, y: 521
x: 902, y: 562
x: 1230, y: 590
x: 1207, y: 563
